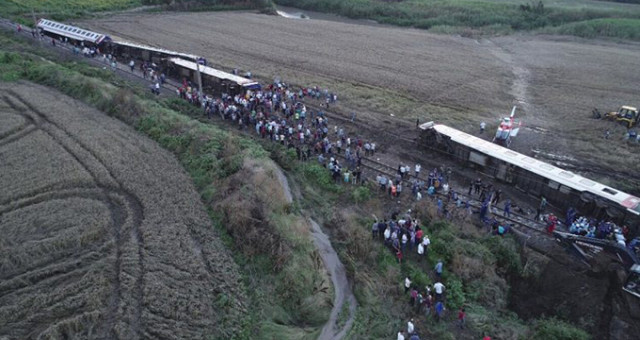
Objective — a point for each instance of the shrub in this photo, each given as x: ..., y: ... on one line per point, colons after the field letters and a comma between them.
x: 455, y: 293
x: 554, y: 329
x: 506, y: 253
x: 361, y: 194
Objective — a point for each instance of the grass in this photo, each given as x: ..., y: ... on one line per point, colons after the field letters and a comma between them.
x: 607, y: 27
x: 23, y: 10
x: 484, y: 16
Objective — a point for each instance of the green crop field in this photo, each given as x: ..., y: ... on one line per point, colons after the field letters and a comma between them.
x: 17, y: 7
x: 576, y: 17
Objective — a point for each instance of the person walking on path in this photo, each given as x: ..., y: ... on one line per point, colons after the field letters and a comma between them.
x: 132, y: 65
x: 462, y: 316
x: 407, y: 284
x: 438, y: 268
x: 400, y: 335
x: 414, y: 297
x: 439, y: 310
x: 374, y: 230
x: 507, y: 208
x: 439, y: 288
x: 410, y: 327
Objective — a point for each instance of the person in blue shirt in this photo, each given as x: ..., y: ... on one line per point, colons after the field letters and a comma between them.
x: 438, y: 268
x: 439, y: 310
x: 507, y: 208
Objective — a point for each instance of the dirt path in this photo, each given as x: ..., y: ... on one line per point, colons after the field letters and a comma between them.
x: 343, y: 294
x: 334, y: 329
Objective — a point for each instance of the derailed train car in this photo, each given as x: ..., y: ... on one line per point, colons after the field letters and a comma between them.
x: 562, y: 188
x: 75, y: 35
x: 126, y: 50
x: 213, y: 80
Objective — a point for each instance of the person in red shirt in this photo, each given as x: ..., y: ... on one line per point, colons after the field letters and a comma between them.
x: 486, y: 337
x: 419, y: 235
x: 552, y: 220
x: 462, y: 315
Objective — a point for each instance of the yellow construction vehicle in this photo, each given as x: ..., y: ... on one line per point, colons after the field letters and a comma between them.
x: 626, y: 115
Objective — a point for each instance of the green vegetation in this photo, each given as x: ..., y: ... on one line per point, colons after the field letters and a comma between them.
x: 490, y: 16
x: 614, y: 28
x: 553, y: 329
x: 23, y: 10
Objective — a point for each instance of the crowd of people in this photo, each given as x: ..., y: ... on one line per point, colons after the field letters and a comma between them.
x: 601, y: 229
x: 278, y: 113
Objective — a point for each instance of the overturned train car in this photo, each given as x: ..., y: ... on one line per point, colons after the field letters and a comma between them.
x: 562, y: 188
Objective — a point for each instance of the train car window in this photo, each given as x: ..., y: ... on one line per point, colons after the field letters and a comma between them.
x: 528, y: 160
x: 609, y: 191
x: 546, y: 166
x: 566, y: 174
x: 587, y: 182
x: 554, y: 185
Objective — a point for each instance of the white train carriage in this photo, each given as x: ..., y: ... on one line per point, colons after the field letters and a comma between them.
x: 561, y: 187
x: 212, y: 79
x: 72, y: 33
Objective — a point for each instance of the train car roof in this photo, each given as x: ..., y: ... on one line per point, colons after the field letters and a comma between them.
x: 72, y: 32
x: 215, y: 73
x: 546, y: 170
x: 155, y: 49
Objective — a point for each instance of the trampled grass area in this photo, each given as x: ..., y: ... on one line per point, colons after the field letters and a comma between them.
x: 487, y: 16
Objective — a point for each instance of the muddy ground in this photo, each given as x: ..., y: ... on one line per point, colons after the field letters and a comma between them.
x: 103, y: 233
x: 379, y: 70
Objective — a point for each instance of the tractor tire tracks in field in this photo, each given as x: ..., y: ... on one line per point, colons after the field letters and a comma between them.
x: 125, y: 208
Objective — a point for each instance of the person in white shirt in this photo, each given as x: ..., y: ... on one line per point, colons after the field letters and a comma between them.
x: 438, y: 288
x: 410, y: 327
x: 418, y: 168
x: 426, y: 242
x: 401, y: 335
x: 420, y: 251
x: 407, y: 284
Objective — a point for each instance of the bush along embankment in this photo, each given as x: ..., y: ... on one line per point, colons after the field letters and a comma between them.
x: 289, y: 290
x: 490, y: 17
